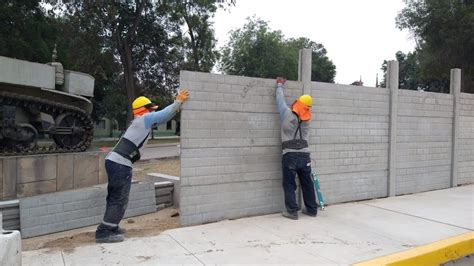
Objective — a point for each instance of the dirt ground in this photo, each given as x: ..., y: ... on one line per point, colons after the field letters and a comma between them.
x: 167, y: 166
x: 139, y: 226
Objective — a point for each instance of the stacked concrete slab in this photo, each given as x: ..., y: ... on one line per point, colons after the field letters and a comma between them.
x: 365, y: 143
x: 466, y: 139
x: 24, y: 176
x: 230, y: 159
x: 60, y: 211
x: 424, y: 141
x: 231, y: 150
x: 349, y: 140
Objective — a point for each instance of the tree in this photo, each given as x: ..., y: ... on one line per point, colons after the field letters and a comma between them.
x: 199, y: 42
x: 254, y: 51
x: 140, y: 34
x: 257, y: 51
x: 147, y: 38
x: 444, y: 32
x: 322, y: 69
x: 81, y: 48
x: 409, y: 72
x: 25, y: 31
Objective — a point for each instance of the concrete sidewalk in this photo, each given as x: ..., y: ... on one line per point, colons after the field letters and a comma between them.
x: 341, y: 235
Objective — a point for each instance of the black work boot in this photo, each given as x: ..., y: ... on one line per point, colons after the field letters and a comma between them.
x: 119, y: 230
x: 108, y: 236
x: 305, y: 211
x: 292, y: 216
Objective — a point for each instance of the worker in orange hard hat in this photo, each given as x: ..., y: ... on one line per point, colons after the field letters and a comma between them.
x: 296, y: 161
x: 118, y: 163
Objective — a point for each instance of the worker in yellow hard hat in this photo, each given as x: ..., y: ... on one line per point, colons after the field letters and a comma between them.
x: 296, y: 161
x: 118, y: 163
x: 142, y: 105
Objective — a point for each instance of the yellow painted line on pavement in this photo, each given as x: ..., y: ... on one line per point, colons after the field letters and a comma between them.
x: 432, y: 254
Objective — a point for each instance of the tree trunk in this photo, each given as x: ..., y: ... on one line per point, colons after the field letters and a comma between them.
x: 125, y: 51
x: 129, y: 75
x: 193, y: 44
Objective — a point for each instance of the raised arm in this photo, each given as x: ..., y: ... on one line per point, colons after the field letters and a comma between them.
x: 282, y: 107
x: 166, y: 114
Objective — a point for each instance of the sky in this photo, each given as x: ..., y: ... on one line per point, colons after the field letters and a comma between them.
x: 357, y: 34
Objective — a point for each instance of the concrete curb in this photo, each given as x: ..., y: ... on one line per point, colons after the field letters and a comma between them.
x: 435, y: 253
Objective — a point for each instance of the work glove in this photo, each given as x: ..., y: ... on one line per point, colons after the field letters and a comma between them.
x: 182, y: 96
x: 280, y: 81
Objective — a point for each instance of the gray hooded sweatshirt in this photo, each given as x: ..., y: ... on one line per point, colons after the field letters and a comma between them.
x: 289, y: 122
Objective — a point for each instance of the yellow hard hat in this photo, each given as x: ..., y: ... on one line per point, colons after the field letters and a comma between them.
x: 306, y: 100
x: 141, y: 102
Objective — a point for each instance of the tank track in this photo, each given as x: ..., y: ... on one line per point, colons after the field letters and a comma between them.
x: 49, y: 107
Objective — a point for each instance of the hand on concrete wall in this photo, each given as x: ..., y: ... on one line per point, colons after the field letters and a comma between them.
x: 280, y: 80
x: 182, y: 96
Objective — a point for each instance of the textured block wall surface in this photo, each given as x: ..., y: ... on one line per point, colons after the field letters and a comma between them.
x: 349, y: 141
x: 60, y: 211
x: 231, y: 150
x: 466, y: 140
x: 230, y: 147
x: 424, y: 141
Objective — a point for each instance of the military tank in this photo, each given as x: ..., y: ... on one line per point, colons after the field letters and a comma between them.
x: 44, y: 108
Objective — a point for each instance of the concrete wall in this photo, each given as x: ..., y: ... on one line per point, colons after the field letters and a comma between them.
x: 231, y: 151
x: 466, y: 140
x: 424, y: 141
x: 24, y: 176
x: 349, y: 141
x: 230, y: 148
x: 62, y: 211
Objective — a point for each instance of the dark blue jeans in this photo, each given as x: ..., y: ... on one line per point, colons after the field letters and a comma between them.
x: 298, y: 164
x: 118, y: 191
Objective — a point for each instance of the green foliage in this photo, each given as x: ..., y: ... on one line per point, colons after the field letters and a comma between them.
x: 409, y: 71
x: 257, y: 51
x: 444, y: 31
x: 198, y: 40
x: 115, y: 107
x: 322, y: 68
x: 25, y: 31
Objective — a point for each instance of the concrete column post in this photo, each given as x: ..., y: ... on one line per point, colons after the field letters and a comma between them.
x: 304, y: 69
x: 304, y: 76
x: 392, y: 83
x: 455, y: 90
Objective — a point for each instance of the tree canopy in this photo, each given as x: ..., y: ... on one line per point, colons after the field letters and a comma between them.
x: 444, y: 33
x: 130, y: 47
x: 26, y: 32
x: 409, y: 72
x: 257, y: 51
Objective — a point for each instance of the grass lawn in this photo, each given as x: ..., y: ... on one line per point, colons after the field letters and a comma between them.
x: 111, y: 143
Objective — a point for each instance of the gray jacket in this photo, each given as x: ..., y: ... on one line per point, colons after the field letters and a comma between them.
x: 141, y: 127
x: 289, y: 122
